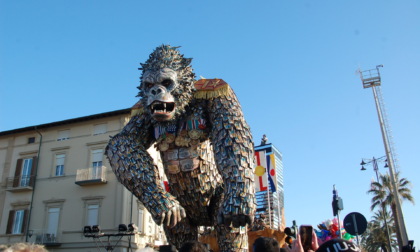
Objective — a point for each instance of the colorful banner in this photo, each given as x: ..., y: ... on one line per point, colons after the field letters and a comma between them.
x: 260, y: 171
x: 271, y: 167
x: 265, y: 166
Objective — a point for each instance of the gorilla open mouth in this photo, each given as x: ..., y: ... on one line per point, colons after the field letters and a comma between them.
x: 162, y: 110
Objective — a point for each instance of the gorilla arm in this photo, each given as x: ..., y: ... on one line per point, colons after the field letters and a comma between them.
x: 134, y: 168
x: 234, y: 154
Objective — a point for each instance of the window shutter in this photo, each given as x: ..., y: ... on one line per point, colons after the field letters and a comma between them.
x: 32, y: 178
x: 10, y: 221
x: 63, y: 135
x: 18, y: 172
x: 97, y: 155
x: 59, y: 159
x: 92, y: 215
x: 25, y: 221
x: 99, y: 129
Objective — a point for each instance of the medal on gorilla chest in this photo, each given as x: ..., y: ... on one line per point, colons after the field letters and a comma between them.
x: 164, y: 136
x: 170, y: 138
x: 195, y: 134
x: 182, y: 139
x: 163, y: 146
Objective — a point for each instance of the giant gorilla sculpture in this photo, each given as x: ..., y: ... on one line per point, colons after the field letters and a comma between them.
x: 206, y: 147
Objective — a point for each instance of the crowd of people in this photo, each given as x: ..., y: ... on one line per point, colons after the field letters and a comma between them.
x: 23, y: 247
x: 267, y: 244
x: 261, y: 244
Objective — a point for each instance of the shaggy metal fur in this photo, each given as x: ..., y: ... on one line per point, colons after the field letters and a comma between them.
x: 206, y: 148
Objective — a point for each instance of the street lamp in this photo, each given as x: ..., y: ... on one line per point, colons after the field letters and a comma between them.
x: 374, y: 162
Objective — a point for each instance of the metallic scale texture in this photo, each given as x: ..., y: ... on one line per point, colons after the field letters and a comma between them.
x: 206, y: 148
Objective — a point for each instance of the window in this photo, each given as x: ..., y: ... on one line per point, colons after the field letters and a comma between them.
x: 24, y: 173
x: 59, y: 164
x: 140, y: 220
x: 31, y: 140
x: 97, y: 156
x: 17, y: 221
x: 92, y: 206
x: 99, y: 129
x: 53, y: 209
x: 63, y: 135
x: 92, y: 214
x: 53, y: 218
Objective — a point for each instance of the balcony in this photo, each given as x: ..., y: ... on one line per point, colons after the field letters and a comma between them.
x: 46, y: 239
x: 91, y: 176
x: 20, y: 183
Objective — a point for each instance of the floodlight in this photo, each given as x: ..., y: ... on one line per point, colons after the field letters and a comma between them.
x: 87, y: 229
x: 122, y: 228
x: 132, y: 227
x: 96, y: 229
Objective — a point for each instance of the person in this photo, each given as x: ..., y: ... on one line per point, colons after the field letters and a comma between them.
x: 147, y: 249
x: 165, y: 248
x: 25, y: 247
x: 298, y: 247
x: 333, y: 245
x: 266, y: 244
x: 193, y: 246
x: 259, y: 223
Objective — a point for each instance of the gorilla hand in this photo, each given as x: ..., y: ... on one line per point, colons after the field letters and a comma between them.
x: 173, y: 216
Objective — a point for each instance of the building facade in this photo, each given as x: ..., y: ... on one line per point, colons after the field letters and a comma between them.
x: 272, y: 210
x: 55, y: 180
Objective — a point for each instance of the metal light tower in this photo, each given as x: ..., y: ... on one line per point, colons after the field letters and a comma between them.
x: 372, y: 79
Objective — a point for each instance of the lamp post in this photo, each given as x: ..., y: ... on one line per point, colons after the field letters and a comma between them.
x: 374, y: 162
x: 372, y: 79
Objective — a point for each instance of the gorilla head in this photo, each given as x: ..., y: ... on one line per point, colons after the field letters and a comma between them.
x: 167, y: 83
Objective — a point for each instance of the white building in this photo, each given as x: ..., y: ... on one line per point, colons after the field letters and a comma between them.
x: 55, y: 180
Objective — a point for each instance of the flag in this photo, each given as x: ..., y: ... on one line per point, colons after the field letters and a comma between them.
x: 260, y: 171
x: 271, y: 167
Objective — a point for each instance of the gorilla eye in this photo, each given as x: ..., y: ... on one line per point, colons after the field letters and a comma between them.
x: 166, y: 82
x: 148, y: 84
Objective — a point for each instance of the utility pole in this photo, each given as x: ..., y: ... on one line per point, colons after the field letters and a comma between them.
x: 372, y: 79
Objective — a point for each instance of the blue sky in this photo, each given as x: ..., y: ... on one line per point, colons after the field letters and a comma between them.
x: 291, y: 63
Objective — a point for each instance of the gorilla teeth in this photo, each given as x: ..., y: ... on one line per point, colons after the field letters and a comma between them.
x: 162, y: 107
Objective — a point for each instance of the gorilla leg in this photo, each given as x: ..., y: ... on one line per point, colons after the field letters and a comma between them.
x: 183, y: 232
x: 232, y: 239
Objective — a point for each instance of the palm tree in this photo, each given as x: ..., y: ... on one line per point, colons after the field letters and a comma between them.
x: 383, y: 196
x: 375, y: 237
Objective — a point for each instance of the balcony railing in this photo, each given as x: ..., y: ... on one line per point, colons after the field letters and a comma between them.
x: 45, y: 238
x: 91, y: 176
x: 20, y: 183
